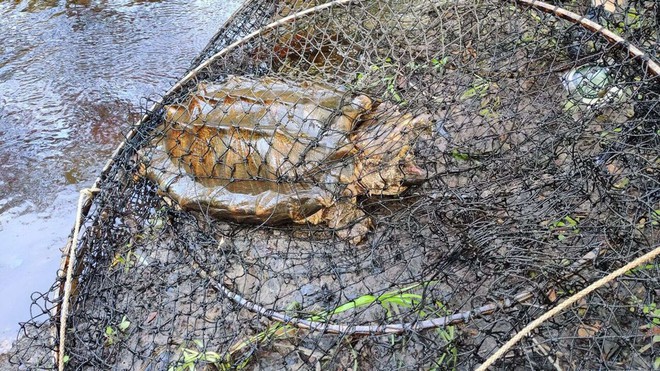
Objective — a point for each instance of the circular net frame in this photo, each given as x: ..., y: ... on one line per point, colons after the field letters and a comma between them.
x: 248, y: 223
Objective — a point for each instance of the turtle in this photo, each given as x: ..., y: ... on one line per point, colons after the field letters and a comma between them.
x: 269, y: 150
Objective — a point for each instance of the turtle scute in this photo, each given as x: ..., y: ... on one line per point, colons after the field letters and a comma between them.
x: 269, y: 150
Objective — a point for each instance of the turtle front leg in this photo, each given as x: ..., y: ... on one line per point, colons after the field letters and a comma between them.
x: 346, y: 218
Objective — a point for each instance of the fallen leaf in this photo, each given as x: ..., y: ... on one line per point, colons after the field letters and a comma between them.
x: 587, y: 331
x: 152, y: 316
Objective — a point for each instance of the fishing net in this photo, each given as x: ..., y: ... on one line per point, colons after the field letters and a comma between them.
x: 378, y: 185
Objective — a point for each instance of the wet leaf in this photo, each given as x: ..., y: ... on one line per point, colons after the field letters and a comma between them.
x: 152, y: 316
x: 124, y: 324
x: 587, y: 331
x: 622, y: 183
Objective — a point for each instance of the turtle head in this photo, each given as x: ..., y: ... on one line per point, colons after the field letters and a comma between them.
x: 385, y: 163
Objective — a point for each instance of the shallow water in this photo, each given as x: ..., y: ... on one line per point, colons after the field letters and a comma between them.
x: 73, y: 76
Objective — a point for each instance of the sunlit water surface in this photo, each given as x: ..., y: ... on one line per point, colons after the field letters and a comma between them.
x: 73, y: 76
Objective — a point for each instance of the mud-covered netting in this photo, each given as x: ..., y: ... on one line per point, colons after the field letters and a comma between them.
x: 380, y: 185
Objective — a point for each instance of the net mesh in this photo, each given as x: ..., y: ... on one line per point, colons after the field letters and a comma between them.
x: 390, y: 184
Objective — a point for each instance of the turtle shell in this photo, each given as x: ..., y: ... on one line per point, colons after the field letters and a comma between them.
x: 259, y: 150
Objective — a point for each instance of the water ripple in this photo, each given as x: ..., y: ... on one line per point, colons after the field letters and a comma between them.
x: 72, y: 77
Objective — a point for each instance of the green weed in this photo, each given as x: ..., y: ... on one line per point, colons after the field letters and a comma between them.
x: 112, y: 334
x: 565, y: 226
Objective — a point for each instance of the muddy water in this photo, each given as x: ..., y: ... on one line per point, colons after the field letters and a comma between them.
x: 73, y: 75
